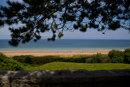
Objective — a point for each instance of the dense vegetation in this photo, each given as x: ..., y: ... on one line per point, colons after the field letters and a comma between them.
x: 119, y: 56
x: 48, y: 59
x: 98, y: 58
x: 114, y: 56
x: 9, y: 64
x: 36, y: 63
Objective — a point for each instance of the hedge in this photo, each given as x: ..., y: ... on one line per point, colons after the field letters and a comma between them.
x: 9, y: 64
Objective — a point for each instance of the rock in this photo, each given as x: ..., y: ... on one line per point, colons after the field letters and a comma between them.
x: 65, y: 78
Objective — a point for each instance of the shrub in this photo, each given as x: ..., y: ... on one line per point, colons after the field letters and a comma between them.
x: 2, y: 57
x: 37, y: 60
x: 127, y: 50
x: 22, y: 59
x: 76, y: 60
x: 48, y: 59
x: 127, y: 56
x: 9, y: 64
x: 45, y: 59
x: 116, y: 56
x: 98, y: 58
x: 28, y: 60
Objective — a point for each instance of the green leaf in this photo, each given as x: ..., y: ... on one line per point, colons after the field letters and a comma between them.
x: 60, y: 34
x: 55, y: 26
x: 78, y: 22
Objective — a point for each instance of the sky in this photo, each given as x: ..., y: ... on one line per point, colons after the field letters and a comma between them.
x: 90, y: 34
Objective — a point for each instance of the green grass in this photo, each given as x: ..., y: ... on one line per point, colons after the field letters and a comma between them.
x: 86, y: 66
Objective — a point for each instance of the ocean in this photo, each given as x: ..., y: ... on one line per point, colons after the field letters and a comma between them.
x: 67, y: 44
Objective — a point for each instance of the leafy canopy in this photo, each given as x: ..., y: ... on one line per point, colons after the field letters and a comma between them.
x: 39, y: 16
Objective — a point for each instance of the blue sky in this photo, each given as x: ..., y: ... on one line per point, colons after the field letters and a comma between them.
x: 90, y: 34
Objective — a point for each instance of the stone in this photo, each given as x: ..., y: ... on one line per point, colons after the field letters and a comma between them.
x: 65, y: 78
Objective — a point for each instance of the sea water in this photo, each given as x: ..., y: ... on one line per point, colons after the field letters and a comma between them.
x: 67, y: 44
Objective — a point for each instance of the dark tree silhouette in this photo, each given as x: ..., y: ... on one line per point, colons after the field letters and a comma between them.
x: 39, y: 16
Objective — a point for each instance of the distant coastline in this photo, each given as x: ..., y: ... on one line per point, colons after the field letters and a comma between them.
x: 68, y: 45
x: 54, y: 53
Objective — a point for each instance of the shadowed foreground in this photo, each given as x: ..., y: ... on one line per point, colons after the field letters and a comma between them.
x: 65, y: 78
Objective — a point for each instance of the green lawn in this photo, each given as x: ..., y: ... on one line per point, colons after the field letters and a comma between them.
x: 87, y: 66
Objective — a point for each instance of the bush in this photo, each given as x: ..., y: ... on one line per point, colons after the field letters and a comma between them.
x: 9, y: 64
x: 2, y: 57
x: 28, y: 60
x: 48, y: 59
x: 37, y: 60
x: 116, y: 56
x: 75, y: 60
x: 98, y: 58
x: 127, y: 56
x: 22, y: 59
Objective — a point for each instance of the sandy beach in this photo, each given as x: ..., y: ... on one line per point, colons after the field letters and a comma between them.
x: 61, y: 53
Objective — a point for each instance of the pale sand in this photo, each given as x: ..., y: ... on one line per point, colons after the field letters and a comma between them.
x: 61, y: 53
x: 77, y: 51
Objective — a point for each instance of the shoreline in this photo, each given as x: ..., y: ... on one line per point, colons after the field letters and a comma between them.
x: 55, y: 53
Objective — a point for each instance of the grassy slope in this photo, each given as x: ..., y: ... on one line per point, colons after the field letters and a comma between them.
x: 87, y: 66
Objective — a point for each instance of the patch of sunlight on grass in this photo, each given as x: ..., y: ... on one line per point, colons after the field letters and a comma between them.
x: 86, y: 66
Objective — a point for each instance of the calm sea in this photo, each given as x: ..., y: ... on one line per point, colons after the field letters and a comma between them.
x: 67, y: 44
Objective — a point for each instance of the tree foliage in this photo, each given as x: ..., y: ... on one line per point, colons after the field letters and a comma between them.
x: 39, y: 16
x: 116, y: 56
x: 98, y: 58
x: 9, y: 64
x: 127, y: 55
